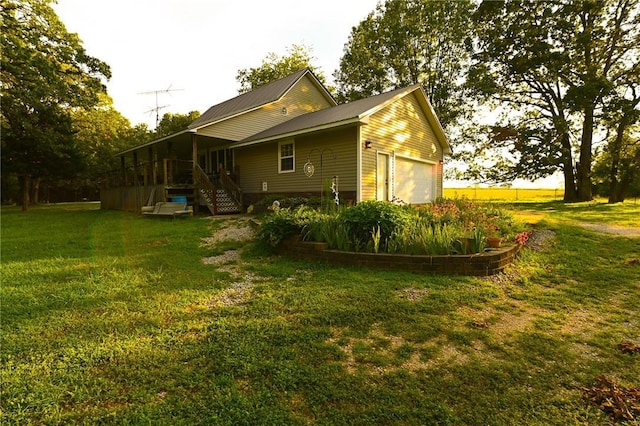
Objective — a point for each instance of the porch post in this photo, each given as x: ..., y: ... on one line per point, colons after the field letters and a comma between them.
x: 124, y: 170
x: 171, y: 156
x: 135, y: 168
x: 194, y: 173
x: 149, y: 168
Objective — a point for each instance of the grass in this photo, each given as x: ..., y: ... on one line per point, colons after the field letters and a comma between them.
x: 502, y: 194
x: 108, y: 317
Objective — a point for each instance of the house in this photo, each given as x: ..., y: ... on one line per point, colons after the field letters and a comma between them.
x: 290, y: 137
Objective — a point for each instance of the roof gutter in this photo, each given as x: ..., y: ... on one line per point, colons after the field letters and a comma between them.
x: 336, y: 124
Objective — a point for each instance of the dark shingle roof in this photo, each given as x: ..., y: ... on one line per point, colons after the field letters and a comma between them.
x: 328, y: 116
x: 247, y: 101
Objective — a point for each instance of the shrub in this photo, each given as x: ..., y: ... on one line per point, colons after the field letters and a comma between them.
x: 366, y: 216
x: 285, y: 222
x: 443, y: 227
x: 422, y: 237
x: 331, y: 230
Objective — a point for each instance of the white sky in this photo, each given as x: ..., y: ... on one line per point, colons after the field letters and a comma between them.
x: 199, y: 45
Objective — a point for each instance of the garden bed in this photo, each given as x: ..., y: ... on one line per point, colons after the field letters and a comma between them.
x: 490, y: 262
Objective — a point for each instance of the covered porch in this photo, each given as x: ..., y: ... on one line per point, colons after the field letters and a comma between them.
x: 199, y: 168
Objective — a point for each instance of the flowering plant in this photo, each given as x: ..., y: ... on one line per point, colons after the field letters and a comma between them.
x: 522, y: 237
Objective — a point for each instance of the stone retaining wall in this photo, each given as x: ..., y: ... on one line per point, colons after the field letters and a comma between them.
x: 488, y: 263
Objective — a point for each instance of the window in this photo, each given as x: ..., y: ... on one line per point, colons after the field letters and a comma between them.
x: 286, y: 154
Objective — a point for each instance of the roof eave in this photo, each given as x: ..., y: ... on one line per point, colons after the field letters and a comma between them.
x: 321, y: 127
x: 153, y: 142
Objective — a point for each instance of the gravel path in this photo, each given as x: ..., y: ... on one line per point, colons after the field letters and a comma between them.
x: 243, y: 282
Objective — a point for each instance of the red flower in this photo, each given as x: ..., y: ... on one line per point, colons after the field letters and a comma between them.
x: 522, y: 237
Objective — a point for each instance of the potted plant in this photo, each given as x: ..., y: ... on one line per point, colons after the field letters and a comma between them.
x: 494, y: 240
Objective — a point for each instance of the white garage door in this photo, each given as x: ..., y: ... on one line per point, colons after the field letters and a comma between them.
x: 414, y: 181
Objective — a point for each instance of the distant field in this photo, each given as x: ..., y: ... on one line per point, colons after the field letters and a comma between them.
x: 517, y: 194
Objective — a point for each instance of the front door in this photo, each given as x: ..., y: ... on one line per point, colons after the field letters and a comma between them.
x: 382, y: 177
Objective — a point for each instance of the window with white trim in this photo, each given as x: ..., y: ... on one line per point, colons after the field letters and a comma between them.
x: 286, y: 157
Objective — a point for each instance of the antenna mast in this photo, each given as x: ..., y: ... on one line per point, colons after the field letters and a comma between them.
x: 159, y: 107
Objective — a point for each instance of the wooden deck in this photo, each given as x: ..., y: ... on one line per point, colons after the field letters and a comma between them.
x: 133, y: 198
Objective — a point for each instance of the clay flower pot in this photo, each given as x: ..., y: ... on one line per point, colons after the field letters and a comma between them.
x: 494, y: 242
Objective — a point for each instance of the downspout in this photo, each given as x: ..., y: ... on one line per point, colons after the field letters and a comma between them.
x: 359, y: 161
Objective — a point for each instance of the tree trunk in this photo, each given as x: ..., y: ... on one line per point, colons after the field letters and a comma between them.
x: 47, y: 192
x: 584, y: 168
x: 615, y: 146
x: 25, y: 183
x: 614, y: 190
x: 570, y: 194
x: 35, y: 190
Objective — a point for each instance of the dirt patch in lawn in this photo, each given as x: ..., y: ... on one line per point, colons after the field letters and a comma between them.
x: 515, y: 318
x: 412, y: 294
x: 625, y: 231
x: 383, y: 353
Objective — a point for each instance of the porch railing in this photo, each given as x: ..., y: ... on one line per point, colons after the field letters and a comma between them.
x: 166, y: 171
x: 206, y: 188
x: 230, y: 186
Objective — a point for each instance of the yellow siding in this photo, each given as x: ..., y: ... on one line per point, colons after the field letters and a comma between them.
x: 304, y: 97
x: 401, y: 129
x: 259, y: 163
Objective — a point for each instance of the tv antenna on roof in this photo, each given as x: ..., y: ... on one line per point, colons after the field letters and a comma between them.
x: 159, y: 107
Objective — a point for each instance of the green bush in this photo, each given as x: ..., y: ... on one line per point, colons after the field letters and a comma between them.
x: 443, y: 227
x: 366, y: 217
x: 331, y: 230
x: 422, y: 237
x: 284, y: 222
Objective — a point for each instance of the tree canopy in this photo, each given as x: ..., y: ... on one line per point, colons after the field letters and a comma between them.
x: 405, y: 42
x: 274, y: 67
x: 173, y: 123
x: 45, y: 74
x: 559, y: 68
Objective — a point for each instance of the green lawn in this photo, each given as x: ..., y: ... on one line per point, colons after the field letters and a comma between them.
x: 108, y: 317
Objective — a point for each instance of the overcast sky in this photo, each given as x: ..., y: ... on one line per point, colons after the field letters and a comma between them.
x: 196, y: 47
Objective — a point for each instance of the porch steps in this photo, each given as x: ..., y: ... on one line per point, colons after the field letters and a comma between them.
x: 224, y: 202
x: 206, y: 195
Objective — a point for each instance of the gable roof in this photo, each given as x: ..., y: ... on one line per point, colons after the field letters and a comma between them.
x: 256, y: 98
x: 345, y: 114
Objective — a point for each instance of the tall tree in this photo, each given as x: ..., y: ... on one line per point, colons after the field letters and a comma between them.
x: 173, y: 123
x: 100, y: 133
x: 45, y: 71
x: 619, y: 177
x: 621, y: 158
x: 408, y: 42
x: 556, y: 64
x: 274, y: 67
